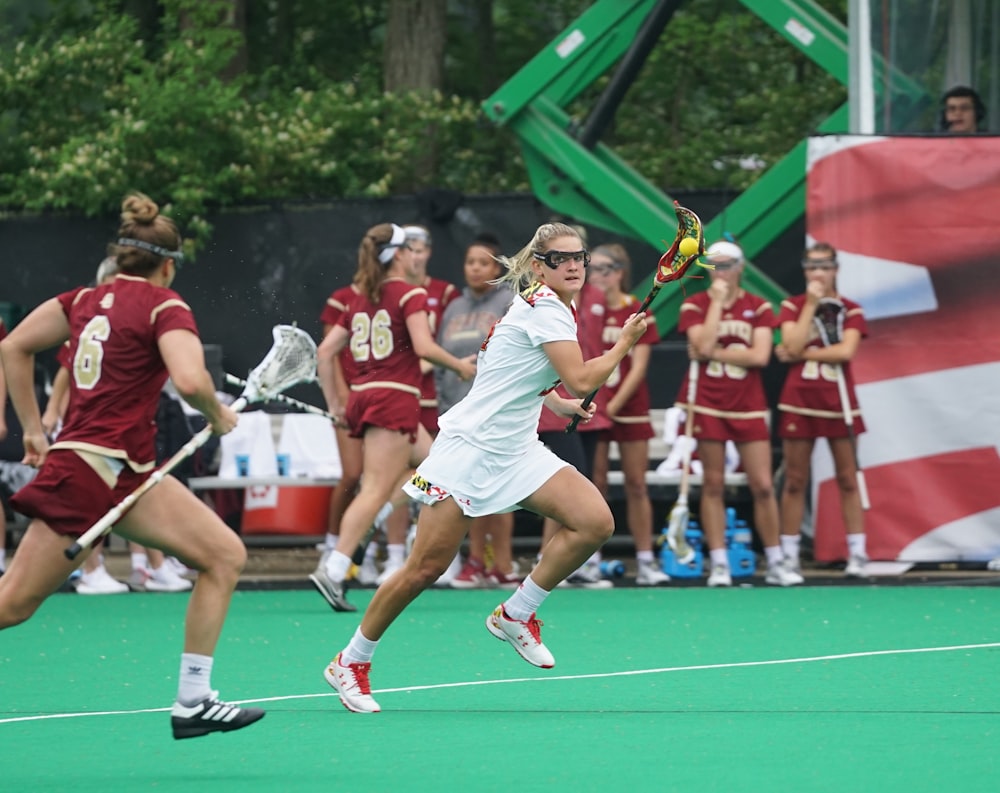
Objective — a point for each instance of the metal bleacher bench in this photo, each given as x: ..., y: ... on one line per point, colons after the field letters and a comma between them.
x: 662, y: 486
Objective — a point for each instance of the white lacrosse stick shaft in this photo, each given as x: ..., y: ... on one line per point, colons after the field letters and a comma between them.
x: 676, y: 538
x: 845, y: 405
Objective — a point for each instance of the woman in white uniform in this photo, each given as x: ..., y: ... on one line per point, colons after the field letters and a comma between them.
x: 488, y: 459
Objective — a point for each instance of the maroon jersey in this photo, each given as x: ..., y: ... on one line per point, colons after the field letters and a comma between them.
x: 116, y: 372
x: 727, y: 390
x: 380, y: 342
x: 637, y: 406
x: 336, y: 305
x: 590, y: 307
x: 3, y: 331
x: 811, y: 387
x: 439, y: 295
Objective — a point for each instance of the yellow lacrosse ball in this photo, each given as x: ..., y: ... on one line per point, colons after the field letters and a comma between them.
x: 688, y: 246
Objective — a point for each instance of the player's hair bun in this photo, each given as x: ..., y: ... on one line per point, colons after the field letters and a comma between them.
x: 139, y: 208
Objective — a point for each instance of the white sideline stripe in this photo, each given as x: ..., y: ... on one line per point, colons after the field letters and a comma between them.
x: 596, y: 675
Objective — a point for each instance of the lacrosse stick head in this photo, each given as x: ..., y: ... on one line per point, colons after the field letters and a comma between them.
x: 291, y: 360
x: 677, y: 534
x: 829, y: 319
x: 674, y: 264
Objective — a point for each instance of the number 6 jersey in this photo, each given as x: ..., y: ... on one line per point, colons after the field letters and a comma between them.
x: 115, y: 367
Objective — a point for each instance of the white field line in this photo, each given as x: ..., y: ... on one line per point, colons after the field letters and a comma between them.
x: 594, y: 676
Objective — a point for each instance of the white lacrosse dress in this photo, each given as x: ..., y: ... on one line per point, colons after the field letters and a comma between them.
x: 487, y: 455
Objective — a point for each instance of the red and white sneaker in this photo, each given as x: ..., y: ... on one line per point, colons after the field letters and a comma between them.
x: 500, y: 580
x: 472, y: 576
x: 525, y: 637
x: 351, y: 682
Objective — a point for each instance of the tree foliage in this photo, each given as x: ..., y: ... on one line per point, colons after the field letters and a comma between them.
x: 100, y: 97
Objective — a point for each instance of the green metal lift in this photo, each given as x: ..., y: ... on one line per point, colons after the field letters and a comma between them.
x: 573, y: 173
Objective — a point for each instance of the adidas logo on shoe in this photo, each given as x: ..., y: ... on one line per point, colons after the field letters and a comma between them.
x: 210, y: 715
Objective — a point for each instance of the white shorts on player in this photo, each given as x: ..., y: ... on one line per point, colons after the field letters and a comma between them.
x: 481, y: 482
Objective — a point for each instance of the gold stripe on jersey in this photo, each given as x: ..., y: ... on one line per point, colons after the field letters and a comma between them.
x: 727, y: 414
x: 165, y: 305
x: 103, y: 451
x: 386, y: 384
x: 817, y: 414
x: 336, y: 304
x: 417, y: 290
x: 428, y: 403
x: 630, y: 419
x: 81, y: 293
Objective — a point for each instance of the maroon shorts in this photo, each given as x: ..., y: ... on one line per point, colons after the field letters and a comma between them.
x: 621, y: 432
x: 388, y: 408
x: 69, y: 495
x: 715, y: 428
x: 795, y: 426
x: 429, y: 420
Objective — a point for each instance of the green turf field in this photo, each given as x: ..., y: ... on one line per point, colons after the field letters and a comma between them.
x: 812, y: 689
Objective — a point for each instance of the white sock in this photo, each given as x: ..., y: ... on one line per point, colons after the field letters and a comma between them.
x: 330, y: 543
x: 3, y: 558
x: 790, y: 544
x: 595, y: 557
x: 525, y: 600
x: 371, y: 552
x: 359, y: 650
x: 644, y: 556
x: 396, y: 554
x: 856, y: 545
x: 720, y: 557
x: 140, y: 561
x: 195, y: 679
x: 774, y: 555
x: 337, y: 565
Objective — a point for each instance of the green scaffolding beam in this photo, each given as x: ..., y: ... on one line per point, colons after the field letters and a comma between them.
x: 593, y: 185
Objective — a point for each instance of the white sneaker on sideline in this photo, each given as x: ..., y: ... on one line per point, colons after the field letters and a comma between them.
x: 100, y: 582
x: 453, y: 570
x: 588, y: 576
x: 649, y: 574
x: 165, y: 579
x: 720, y: 576
x: 138, y: 577
x: 387, y: 570
x: 525, y: 637
x: 781, y: 575
x: 178, y: 566
x: 368, y: 572
x: 856, y: 567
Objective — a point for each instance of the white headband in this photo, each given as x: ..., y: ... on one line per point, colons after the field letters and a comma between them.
x: 418, y: 233
x: 387, y: 251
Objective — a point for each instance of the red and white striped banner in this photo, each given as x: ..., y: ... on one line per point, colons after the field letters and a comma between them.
x: 916, y: 221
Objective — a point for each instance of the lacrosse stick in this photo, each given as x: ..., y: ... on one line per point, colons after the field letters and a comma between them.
x: 679, y: 515
x: 673, y: 266
x: 291, y: 360
x: 358, y: 557
x: 829, y: 320
x: 290, y: 401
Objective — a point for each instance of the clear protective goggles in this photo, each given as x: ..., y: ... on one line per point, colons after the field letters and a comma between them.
x: 554, y: 259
